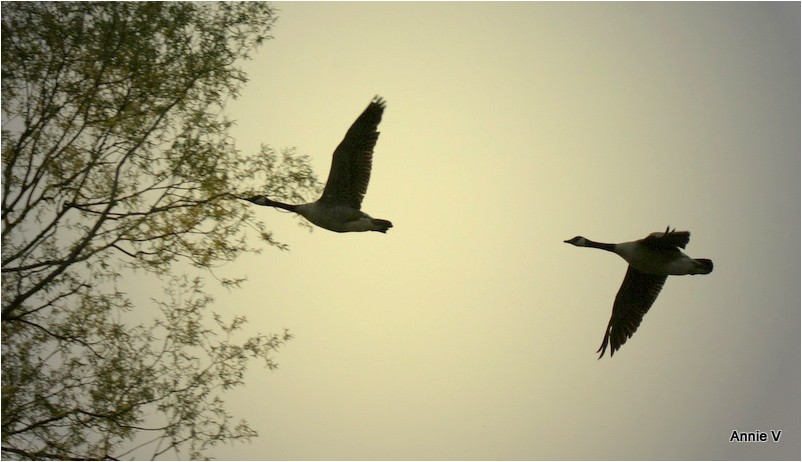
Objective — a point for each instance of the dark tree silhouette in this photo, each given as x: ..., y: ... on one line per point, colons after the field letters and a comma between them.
x: 116, y: 157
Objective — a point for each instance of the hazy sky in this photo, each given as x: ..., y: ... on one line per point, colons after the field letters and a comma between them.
x: 469, y: 331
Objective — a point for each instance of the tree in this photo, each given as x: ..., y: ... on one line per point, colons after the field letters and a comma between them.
x: 116, y: 158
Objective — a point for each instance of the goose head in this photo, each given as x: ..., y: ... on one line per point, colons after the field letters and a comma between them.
x: 267, y: 202
x: 258, y: 200
x: 578, y: 241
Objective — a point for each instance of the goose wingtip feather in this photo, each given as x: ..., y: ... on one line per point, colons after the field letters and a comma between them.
x: 379, y: 100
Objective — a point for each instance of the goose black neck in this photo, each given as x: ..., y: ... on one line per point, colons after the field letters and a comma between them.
x: 281, y: 205
x: 600, y: 245
x: 267, y: 202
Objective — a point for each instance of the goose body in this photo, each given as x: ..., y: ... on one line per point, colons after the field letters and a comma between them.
x: 651, y: 260
x: 339, y: 207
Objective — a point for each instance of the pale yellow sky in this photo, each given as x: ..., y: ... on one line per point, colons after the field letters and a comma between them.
x: 469, y: 330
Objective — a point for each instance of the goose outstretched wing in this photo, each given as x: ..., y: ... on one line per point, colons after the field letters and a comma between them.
x: 636, y: 295
x: 353, y: 159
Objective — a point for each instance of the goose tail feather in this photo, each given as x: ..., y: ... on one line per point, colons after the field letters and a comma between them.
x: 703, y: 266
x: 381, y: 225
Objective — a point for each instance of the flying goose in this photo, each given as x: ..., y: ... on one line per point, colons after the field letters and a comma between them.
x: 651, y: 260
x: 338, y: 209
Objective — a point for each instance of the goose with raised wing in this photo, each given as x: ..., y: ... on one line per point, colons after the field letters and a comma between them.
x: 651, y: 260
x: 339, y: 207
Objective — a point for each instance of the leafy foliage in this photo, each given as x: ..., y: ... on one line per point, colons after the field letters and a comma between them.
x: 116, y: 157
